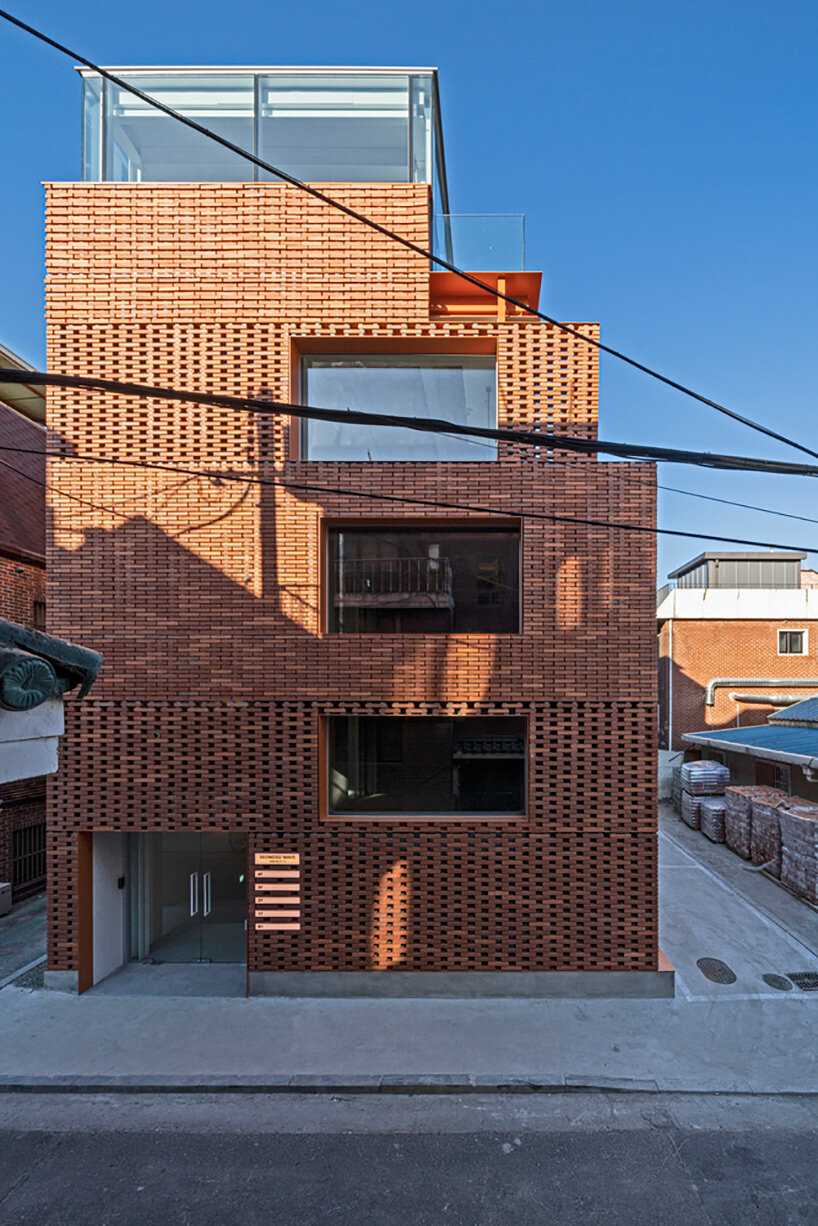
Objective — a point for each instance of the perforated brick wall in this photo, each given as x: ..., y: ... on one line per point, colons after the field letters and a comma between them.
x: 203, y: 591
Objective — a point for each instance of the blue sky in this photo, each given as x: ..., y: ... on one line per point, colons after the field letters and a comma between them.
x: 664, y: 155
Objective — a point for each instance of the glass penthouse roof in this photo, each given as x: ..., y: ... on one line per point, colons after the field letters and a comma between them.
x: 348, y: 125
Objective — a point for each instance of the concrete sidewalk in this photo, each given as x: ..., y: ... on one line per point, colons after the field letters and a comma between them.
x: 744, y: 1037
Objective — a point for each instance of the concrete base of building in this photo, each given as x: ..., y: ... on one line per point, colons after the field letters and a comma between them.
x: 553, y: 985
x: 61, y: 981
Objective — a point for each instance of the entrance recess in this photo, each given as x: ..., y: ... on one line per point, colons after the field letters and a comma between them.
x: 188, y: 897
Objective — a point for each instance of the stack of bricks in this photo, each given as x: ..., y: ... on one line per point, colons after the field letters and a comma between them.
x: 202, y: 587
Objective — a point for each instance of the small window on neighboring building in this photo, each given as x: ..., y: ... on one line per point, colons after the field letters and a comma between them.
x: 458, y: 388
x: 792, y: 642
x: 424, y: 766
x: 38, y: 615
x: 782, y: 777
x: 423, y: 580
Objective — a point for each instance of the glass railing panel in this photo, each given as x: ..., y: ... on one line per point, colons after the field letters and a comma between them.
x: 341, y: 128
x: 481, y: 242
x: 142, y: 144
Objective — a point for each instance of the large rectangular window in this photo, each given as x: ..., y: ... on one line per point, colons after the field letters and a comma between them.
x: 143, y: 145
x: 458, y: 388
x: 343, y: 125
x: 339, y: 129
x: 423, y: 580
x: 426, y: 766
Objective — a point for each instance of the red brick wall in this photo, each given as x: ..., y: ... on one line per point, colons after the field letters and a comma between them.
x: 703, y: 650
x: 21, y: 803
x: 203, y: 594
x: 21, y: 586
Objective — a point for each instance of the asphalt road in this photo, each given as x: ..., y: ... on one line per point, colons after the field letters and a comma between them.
x: 629, y: 1160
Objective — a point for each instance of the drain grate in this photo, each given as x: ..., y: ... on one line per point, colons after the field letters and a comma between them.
x: 807, y: 981
x: 778, y: 981
x: 715, y: 970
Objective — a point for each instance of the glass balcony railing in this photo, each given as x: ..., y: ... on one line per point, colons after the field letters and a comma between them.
x: 481, y: 242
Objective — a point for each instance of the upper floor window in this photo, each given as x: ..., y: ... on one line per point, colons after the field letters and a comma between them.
x: 389, y: 579
x: 459, y: 388
x: 792, y: 642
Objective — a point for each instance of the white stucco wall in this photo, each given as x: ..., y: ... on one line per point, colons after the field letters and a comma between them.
x: 109, y: 903
x: 740, y: 603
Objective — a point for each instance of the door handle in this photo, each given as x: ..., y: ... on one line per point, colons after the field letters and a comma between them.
x: 208, y: 895
x: 194, y: 893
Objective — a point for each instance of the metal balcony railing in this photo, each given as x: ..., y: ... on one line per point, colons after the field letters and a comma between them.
x: 382, y: 582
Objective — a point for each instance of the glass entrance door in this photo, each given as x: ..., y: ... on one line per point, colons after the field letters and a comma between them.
x: 190, y: 897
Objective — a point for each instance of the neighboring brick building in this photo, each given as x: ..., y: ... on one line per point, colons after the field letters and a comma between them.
x: 22, y: 599
x: 392, y: 737
x: 738, y: 640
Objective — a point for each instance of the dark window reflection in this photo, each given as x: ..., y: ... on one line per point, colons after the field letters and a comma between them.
x: 423, y: 581
x: 427, y: 766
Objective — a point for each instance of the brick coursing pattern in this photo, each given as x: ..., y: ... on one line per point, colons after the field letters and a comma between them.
x: 22, y: 585
x: 22, y: 803
x: 203, y: 592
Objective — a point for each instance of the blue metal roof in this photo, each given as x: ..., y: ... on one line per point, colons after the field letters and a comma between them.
x: 802, y: 742
x: 804, y: 710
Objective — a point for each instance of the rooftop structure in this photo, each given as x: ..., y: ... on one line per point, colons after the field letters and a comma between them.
x: 321, y: 125
x: 776, y: 569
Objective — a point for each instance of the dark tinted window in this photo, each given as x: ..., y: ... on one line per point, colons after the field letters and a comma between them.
x: 426, y: 766
x: 423, y: 581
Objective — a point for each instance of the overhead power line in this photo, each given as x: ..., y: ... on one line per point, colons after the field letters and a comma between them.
x: 744, y: 506
x: 431, y: 425
x: 316, y: 488
x: 331, y: 202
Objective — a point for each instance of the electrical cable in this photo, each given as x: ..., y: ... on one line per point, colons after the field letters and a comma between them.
x: 404, y: 242
x: 430, y: 425
x: 745, y: 506
x: 505, y: 512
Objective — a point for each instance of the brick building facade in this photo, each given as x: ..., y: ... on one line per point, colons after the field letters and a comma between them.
x: 730, y: 656
x: 22, y: 600
x: 229, y: 698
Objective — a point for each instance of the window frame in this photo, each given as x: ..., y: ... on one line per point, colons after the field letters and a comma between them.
x: 804, y: 640
x: 331, y: 523
x: 326, y: 816
x: 304, y: 348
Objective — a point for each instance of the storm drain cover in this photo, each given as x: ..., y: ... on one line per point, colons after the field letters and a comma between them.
x: 807, y: 981
x: 778, y: 981
x: 716, y: 970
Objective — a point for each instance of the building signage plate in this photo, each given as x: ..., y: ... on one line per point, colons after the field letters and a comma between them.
x: 277, y: 893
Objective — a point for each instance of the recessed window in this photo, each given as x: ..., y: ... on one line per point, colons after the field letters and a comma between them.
x: 458, y: 388
x: 792, y: 642
x: 418, y: 580
x: 426, y: 766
